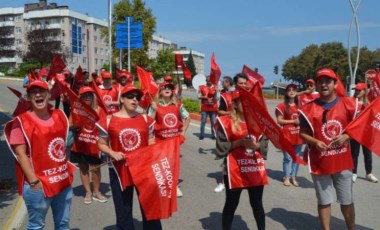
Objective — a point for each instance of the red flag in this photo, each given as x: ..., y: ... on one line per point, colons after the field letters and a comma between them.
x: 22, y: 105
x: 340, y: 89
x: 56, y: 66
x: 252, y: 75
x: 365, y: 129
x: 148, y: 84
x: 99, y: 99
x: 154, y: 171
x: 215, y: 71
x: 178, y: 61
x: 374, y: 90
x: 257, y: 116
x: 83, y: 115
x: 79, y: 75
x: 186, y: 73
x: 33, y: 74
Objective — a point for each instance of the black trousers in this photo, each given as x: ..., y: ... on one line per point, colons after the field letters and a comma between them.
x: 232, y: 201
x: 355, y: 149
x: 123, y: 202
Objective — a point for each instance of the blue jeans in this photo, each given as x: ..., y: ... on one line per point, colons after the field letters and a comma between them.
x: 38, y: 205
x: 212, y: 116
x: 290, y: 167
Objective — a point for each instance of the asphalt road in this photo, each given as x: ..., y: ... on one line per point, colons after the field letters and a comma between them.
x: 201, y: 207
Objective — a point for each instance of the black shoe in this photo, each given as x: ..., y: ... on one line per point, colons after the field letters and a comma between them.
x: 201, y: 138
x: 213, y: 138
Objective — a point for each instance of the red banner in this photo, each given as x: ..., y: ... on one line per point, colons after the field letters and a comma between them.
x: 57, y: 65
x: 215, y: 71
x: 148, y: 84
x: 253, y: 76
x: 78, y: 77
x: 365, y: 129
x: 340, y: 89
x: 33, y: 75
x: 246, y: 169
x: 83, y: 115
x: 22, y: 105
x: 99, y: 99
x: 154, y: 171
x: 256, y: 115
x: 178, y: 61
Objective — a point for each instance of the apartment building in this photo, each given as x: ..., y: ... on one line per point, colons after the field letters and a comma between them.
x: 78, y: 33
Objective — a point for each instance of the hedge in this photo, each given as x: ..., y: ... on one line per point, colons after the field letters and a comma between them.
x: 191, y: 105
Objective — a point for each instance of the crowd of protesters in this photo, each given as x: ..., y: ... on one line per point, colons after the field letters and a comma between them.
x: 313, y: 122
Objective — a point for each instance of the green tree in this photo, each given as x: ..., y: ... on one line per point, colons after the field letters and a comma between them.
x: 137, y: 10
x: 163, y: 64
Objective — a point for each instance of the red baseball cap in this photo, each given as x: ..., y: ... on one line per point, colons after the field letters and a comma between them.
x: 131, y: 88
x: 85, y: 89
x: 291, y: 85
x: 311, y: 81
x: 37, y: 83
x: 326, y: 72
x: 106, y: 75
x: 168, y: 78
x: 361, y: 86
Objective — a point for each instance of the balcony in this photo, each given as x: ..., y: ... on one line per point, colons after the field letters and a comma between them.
x: 7, y: 60
x: 8, y: 48
x: 7, y: 23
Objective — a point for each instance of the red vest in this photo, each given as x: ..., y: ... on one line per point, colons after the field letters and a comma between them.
x: 127, y: 135
x: 86, y: 141
x: 168, y: 121
x: 47, y: 152
x: 291, y: 131
x: 336, y: 158
x: 108, y: 95
x: 227, y: 98
x: 306, y: 98
x: 208, y: 105
x: 245, y: 168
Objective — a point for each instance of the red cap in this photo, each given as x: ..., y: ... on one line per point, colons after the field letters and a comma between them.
x: 125, y: 74
x: 131, y: 88
x: 168, y: 78
x: 43, y: 72
x: 291, y: 85
x: 106, y: 75
x: 163, y: 84
x: 326, y: 72
x: 311, y: 81
x: 235, y: 95
x: 85, y: 89
x: 37, y: 83
x: 361, y: 86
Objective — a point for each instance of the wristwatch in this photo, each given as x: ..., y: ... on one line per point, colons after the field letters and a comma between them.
x: 34, y: 183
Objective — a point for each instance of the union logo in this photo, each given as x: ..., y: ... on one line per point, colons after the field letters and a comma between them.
x: 170, y: 120
x: 130, y: 139
x: 89, y: 126
x: 331, y: 129
x: 107, y: 98
x: 56, y: 149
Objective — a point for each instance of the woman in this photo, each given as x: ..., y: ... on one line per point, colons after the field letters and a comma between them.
x: 172, y: 119
x: 287, y: 117
x: 86, y: 153
x: 127, y: 131
x: 360, y: 94
x: 235, y: 144
x: 38, y: 140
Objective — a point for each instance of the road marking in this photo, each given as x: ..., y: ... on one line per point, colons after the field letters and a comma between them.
x: 17, y: 216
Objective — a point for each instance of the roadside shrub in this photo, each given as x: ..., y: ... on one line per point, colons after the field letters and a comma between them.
x: 191, y: 105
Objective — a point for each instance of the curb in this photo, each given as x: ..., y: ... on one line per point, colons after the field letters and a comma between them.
x: 11, y: 78
x: 197, y: 117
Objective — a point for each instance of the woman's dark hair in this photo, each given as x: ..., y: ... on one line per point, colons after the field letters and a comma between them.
x: 286, y: 102
x: 240, y: 75
x: 229, y: 79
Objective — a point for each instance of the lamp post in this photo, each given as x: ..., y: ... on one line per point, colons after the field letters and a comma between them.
x: 354, y: 19
x: 110, y: 33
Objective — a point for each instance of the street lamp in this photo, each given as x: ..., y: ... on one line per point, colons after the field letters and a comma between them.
x: 110, y: 34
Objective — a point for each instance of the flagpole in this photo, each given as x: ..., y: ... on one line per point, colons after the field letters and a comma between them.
x: 110, y: 34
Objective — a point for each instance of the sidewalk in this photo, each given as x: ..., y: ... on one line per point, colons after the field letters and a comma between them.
x: 12, y: 208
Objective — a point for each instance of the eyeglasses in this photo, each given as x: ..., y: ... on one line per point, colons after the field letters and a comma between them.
x: 132, y: 95
x: 166, y: 88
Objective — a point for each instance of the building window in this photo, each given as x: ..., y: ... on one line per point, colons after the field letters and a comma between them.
x: 84, y: 49
x: 96, y: 61
x: 95, y: 38
x: 18, y: 30
x: 96, y: 50
x: 18, y: 42
x: 95, y: 28
x: 84, y: 60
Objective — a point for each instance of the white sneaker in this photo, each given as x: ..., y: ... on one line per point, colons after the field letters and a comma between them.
x: 179, y: 192
x: 219, y: 188
x: 354, y: 176
x: 370, y: 177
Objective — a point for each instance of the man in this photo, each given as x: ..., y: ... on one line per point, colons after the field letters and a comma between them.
x: 109, y: 95
x: 225, y: 103
x: 322, y: 127
x: 309, y: 94
x: 209, y: 106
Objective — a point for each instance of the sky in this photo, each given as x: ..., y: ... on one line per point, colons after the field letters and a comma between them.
x: 258, y: 33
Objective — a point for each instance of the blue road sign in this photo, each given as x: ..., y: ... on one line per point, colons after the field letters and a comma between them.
x: 135, y: 35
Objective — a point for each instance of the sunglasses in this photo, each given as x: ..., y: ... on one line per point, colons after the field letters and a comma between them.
x: 132, y: 95
x: 86, y: 95
x: 309, y: 85
x: 291, y: 89
x: 166, y: 88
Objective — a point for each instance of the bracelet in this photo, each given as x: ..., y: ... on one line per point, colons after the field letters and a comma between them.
x: 34, y: 183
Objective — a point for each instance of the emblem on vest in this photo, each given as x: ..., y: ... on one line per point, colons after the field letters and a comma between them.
x: 89, y: 126
x: 130, y: 139
x: 56, y: 149
x: 107, y: 98
x: 331, y: 129
x: 170, y: 120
